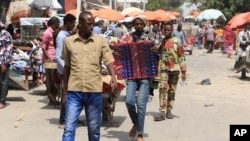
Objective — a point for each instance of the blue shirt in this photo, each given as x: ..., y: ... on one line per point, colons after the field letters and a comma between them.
x: 181, y: 36
x: 59, y: 48
x: 97, y: 30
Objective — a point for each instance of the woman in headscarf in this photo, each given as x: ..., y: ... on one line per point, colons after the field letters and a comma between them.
x: 229, y: 37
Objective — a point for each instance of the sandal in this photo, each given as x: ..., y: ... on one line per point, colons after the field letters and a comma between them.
x: 133, y: 131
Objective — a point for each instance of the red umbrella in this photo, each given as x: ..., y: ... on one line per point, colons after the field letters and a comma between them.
x: 239, y: 20
x: 21, y: 14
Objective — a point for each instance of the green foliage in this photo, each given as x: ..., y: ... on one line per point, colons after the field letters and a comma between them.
x: 228, y: 7
x: 164, y: 4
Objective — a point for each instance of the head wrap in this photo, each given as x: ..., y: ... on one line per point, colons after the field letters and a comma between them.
x: 141, y: 17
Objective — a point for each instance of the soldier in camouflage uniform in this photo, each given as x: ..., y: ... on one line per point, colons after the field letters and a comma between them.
x: 173, y: 62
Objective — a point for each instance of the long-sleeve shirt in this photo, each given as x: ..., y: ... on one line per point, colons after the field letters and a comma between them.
x: 172, y: 56
x: 59, y: 48
x: 6, y: 47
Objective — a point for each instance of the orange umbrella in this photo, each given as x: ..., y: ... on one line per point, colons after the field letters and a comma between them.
x: 108, y: 14
x: 133, y: 13
x: 176, y: 14
x: 162, y: 15
x: 239, y: 20
x: 72, y: 11
x: 196, y: 13
x: 150, y: 15
x: 171, y: 16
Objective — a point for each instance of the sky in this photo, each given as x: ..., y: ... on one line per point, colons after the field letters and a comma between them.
x: 186, y: 10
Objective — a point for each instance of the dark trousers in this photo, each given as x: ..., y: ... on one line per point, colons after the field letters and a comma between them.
x: 4, y: 80
x: 210, y: 46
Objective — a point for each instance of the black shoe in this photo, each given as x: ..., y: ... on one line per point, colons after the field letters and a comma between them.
x: 169, y: 115
x: 160, y: 117
x: 206, y: 82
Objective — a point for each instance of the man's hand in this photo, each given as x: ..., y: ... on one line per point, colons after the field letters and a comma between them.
x: 113, y: 83
x: 116, y: 54
x: 154, y: 49
x: 3, y: 68
x: 64, y: 96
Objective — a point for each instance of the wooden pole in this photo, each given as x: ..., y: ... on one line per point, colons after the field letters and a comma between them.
x: 78, y: 9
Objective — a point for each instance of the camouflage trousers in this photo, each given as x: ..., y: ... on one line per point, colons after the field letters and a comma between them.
x: 167, y: 89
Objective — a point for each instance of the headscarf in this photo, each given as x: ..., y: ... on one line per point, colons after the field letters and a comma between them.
x: 228, y: 35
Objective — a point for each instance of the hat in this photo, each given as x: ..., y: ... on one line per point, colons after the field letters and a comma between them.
x: 141, y: 17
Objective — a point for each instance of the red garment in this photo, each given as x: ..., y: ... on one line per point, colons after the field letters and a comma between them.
x: 228, y: 35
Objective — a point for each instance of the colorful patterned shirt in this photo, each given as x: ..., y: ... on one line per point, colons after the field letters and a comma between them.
x: 6, y: 47
x: 172, y: 55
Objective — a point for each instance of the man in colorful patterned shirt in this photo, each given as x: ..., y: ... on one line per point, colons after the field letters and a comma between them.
x: 5, y: 59
x: 173, y: 62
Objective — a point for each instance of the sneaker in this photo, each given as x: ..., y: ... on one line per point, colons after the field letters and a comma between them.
x: 160, y: 117
x: 169, y: 115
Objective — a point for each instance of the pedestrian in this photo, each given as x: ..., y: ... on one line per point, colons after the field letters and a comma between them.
x: 6, y: 50
x: 229, y: 38
x: 49, y: 53
x: 210, y: 37
x: 82, y: 54
x: 68, y: 24
x: 155, y: 34
x: 173, y: 62
x: 136, y: 104
x: 180, y: 34
x: 118, y: 32
x: 199, y: 36
x: 241, y: 65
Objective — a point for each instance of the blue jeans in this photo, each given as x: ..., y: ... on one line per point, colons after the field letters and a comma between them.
x: 93, y: 108
x: 136, y: 106
x: 4, y: 81
x: 199, y: 43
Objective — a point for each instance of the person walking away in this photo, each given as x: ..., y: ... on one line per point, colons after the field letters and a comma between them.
x: 49, y: 53
x: 136, y: 105
x: 82, y: 54
x: 180, y: 34
x: 199, y: 36
x: 210, y: 37
x: 6, y: 50
x: 68, y: 24
x: 173, y: 61
x: 229, y: 38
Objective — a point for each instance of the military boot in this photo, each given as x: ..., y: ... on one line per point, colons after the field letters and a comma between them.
x: 169, y: 115
x: 160, y: 117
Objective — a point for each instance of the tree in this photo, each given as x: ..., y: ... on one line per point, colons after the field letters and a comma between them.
x: 228, y: 7
x: 168, y: 5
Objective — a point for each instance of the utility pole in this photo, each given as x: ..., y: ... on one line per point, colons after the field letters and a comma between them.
x: 115, y: 4
x: 125, y: 4
x: 110, y: 4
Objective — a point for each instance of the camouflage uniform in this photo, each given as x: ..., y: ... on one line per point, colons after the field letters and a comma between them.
x: 172, y: 62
